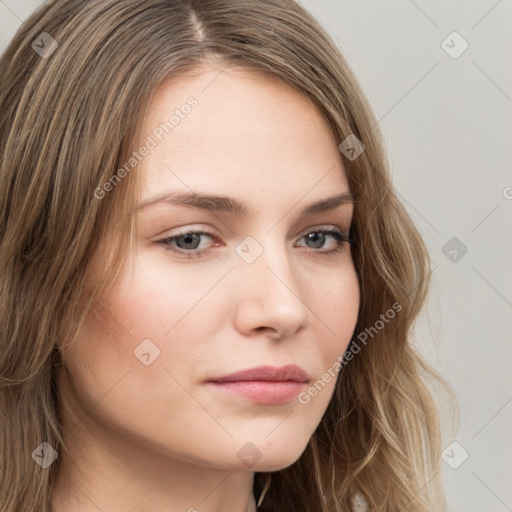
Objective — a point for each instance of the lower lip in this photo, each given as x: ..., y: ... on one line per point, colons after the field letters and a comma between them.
x: 263, y: 392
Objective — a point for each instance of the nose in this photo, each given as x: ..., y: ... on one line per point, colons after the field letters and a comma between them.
x: 269, y: 295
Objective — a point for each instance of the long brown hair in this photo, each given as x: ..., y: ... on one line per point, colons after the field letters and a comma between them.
x: 68, y: 120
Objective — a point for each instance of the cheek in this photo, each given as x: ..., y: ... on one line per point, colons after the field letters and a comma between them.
x: 337, y: 308
x: 159, y: 297
x: 150, y: 312
x: 106, y: 377
x: 102, y: 354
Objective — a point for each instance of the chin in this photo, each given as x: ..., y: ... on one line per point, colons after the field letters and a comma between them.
x: 275, y: 458
x: 276, y: 463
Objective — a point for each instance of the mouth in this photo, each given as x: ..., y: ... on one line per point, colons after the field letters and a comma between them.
x: 265, y: 385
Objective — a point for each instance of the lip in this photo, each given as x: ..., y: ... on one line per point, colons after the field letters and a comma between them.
x: 289, y: 372
x: 266, y: 385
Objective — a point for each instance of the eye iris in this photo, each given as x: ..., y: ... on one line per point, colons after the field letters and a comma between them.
x: 317, y: 238
x: 190, y: 238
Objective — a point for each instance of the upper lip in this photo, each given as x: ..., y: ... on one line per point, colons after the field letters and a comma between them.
x: 266, y: 373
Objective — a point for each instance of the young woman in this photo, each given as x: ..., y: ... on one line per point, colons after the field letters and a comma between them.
x: 207, y: 281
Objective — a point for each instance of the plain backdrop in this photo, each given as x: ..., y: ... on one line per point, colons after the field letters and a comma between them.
x: 438, y: 76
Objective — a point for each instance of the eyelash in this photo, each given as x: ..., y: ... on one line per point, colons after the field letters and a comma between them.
x: 339, y: 236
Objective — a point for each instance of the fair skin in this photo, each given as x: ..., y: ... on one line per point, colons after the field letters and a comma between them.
x: 158, y: 437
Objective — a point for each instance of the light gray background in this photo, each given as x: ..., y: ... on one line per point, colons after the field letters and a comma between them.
x: 448, y: 128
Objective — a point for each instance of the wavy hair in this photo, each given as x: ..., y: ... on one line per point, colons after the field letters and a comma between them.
x: 69, y: 120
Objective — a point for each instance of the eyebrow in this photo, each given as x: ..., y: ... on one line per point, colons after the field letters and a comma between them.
x: 231, y: 206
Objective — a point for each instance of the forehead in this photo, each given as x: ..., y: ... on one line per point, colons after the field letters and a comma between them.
x: 246, y: 135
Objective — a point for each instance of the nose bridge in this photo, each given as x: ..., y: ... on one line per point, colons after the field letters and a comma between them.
x: 269, y: 287
x: 265, y: 260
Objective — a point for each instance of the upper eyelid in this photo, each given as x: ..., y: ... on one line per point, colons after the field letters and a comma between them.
x: 317, y: 227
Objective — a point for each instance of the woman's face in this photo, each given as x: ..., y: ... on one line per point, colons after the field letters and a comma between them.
x: 259, y: 292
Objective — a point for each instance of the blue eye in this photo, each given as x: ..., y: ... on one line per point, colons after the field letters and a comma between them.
x: 338, y: 236
x: 186, y: 244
